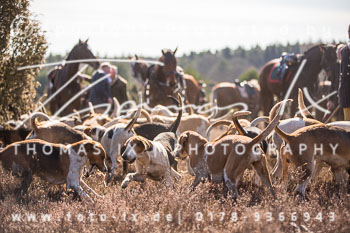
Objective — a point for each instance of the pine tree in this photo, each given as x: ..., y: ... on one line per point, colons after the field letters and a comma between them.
x: 22, y: 43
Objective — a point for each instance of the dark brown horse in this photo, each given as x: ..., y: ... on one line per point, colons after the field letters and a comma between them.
x: 141, y: 71
x: 308, y: 78
x: 162, y: 80
x: 331, y: 63
x: 64, y: 73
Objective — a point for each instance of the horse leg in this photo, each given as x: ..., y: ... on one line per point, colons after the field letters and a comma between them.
x: 267, y: 102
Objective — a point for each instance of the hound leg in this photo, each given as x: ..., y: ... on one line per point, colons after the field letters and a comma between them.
x: 340, y: 178
x: 261, y: 168
x: 231, y: 185
x: 168, y: 179
x: 174, y: 165
x: 195, y: 183
x: 318, y: 168
x: 90, y: 189
x: 277, y: 170
x: 113, y: 158
x: 256, y: 179
x: 308, y: 170
x: 81, y: 193
x: 284, y: 170
x: 27, y: 180
x: 175, y: 174
x: 125, y: 167
x: 189, y: 168
x: 224, y: 189
x: 133, y: 177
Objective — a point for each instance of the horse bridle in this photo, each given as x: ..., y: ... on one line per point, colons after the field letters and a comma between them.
x: 170, y: 73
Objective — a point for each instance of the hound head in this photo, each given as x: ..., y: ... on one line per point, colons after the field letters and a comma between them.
x: 95, y: 154
x: 182, y: 148
x: 134, y: 147
x: 95, y: 133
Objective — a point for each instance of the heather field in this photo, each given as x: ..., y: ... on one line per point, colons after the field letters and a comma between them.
x: 151, y: 207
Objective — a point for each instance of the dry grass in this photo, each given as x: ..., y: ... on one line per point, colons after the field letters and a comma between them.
x: 150, y: 198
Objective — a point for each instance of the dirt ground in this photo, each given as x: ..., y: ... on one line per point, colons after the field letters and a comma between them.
x: 152, y: 207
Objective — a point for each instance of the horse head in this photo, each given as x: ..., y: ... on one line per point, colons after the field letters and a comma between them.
x: 329, y: 57
x: 82, y: 51
x: 169, y: 67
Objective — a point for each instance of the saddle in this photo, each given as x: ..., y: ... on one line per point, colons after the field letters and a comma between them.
x: 282, y: 71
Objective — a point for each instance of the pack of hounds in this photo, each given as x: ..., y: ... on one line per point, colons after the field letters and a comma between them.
x: 68, y: 150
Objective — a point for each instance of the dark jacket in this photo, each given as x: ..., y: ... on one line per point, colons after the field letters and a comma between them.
x: 335, y: 83
x: 344, y: 86
x: 118, y: 89
x: 100, y: 93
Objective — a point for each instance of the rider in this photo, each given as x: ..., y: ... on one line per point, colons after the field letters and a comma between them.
x: 334, y: 99
x: 180, y: 77
x: 118, y: 86
x: 101, y: 92
x: 287, y: 61
x: 344, y: 82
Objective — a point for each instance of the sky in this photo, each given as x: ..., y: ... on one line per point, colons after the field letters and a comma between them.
x: 116, y: 27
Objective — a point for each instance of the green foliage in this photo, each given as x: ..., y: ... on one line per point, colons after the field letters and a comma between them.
x: 249, y: 75
x: 228, y: 64
x: 192, y: 71
x: 21, y: 44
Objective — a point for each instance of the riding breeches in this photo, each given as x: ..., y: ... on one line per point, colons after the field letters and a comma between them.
x: 346, y: 114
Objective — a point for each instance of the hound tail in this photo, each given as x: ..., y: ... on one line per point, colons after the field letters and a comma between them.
x: 176, y: 124
x: 275, y: 114
x: 301, y: 105
x: 33, y: 119
x: 238, y: 126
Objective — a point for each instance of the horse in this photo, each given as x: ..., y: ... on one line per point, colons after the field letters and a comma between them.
x: 141, y: 72
x: 331, y: 63
x: 308, y: 78
x: 63, y: 73
x: 226, y: 93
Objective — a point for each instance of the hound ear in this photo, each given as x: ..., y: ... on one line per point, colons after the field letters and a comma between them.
x: 86, y: 40
x: 101, y: 133
x: 88, y: 131
x: 175, y: 51
x: 136, y: 57
x: 149, y: 147
x: 184, y: 137
x: 163, y: 52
